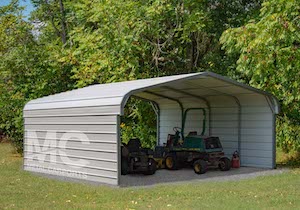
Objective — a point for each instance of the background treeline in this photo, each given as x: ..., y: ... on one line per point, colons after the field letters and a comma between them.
x: 67, y: 44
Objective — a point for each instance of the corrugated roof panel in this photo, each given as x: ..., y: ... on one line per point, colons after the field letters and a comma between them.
x: 117, y: 93
x: 117, y: 89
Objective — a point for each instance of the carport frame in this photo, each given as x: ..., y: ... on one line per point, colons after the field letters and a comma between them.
x: 267, y: 95
x: 109, y: 100
x: 193, y: 96
x: 201, y: 98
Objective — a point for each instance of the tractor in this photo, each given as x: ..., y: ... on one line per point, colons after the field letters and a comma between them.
x: 198, y: 151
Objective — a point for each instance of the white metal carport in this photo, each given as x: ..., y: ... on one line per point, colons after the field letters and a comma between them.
x: 77, y: 133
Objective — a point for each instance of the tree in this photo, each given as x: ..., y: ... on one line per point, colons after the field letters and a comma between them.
x: 269, y: 58
x: 124, y: 40
x: 83, y: 42
x: 15, y: 36
x: 28, y: 70
x: 53, y: 14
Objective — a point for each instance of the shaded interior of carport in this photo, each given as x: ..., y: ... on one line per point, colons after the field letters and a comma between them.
x: 237, y: 114
x: 241, y: 116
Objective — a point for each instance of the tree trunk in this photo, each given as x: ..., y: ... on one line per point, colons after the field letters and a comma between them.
x: 63, y: 22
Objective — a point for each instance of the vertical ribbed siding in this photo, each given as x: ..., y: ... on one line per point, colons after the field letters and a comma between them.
x: 194, y: 118
x: 170, y: 117
x: 72, y: 144
x: 257, y: 132
x: 256, y: 126
x: 224, y: 122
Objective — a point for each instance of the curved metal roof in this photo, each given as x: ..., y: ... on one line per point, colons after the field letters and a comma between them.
x: 113, y: 94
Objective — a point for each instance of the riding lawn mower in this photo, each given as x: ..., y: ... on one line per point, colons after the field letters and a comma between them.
x: 135, y: 159
x: 198, y: 151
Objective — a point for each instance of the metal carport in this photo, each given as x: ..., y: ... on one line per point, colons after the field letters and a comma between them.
x: 77, y: 133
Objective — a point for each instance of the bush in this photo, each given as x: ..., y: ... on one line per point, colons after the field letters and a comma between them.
x: 288, y: 134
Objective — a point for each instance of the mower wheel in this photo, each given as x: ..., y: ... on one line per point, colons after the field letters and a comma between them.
x: 124, y: 166
x: 200, y: 166
x: 171, y: 161
x: 151, y: 167
x: 224, y: 164
x: 124, y: 151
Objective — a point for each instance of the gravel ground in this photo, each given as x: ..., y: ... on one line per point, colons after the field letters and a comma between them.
x: 188, y: 175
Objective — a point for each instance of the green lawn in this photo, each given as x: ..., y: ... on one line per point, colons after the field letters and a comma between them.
x: 22, y: 190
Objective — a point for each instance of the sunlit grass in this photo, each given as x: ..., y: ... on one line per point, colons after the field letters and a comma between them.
x: 23, y: 190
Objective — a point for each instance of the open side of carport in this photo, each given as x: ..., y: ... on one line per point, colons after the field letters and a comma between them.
x: 82, y: 127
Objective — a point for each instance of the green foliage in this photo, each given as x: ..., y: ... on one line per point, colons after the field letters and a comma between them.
x: 83, y: 42
x: 291, y: 159
x: 124, y: 40
x: 15, y: 37
x: 137, y: 124
x: 28, y: 70
x: 105, y: 45
x: 269, y: 58
x: 288, y: 134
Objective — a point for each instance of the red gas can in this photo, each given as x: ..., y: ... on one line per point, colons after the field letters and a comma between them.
x: 235, y: 162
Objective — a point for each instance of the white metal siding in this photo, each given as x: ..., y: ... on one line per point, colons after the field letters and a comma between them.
x: 48, y: 148
x: 77, y: 103
x: 170, y: 117
x: 94, y: 111
x: 224, y: 122
x: 71, y: 112
x: 257, y: 132
x: 256, y: 125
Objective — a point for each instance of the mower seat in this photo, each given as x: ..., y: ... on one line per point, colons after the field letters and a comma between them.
x: 192, y: 133
x: 134, y: 145
x: 170, y: 140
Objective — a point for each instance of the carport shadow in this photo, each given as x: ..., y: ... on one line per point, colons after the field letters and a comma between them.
x: 187, y: 175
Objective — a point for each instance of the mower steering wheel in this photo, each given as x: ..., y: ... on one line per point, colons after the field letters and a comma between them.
x: 175, y: 129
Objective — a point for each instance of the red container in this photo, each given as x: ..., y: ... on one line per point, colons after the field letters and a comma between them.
x: 235, y: 162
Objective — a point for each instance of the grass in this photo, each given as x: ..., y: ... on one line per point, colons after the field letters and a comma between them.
x: 22, y: 190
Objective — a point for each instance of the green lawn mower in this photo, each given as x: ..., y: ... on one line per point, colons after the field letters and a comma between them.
x: 194, y: 150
